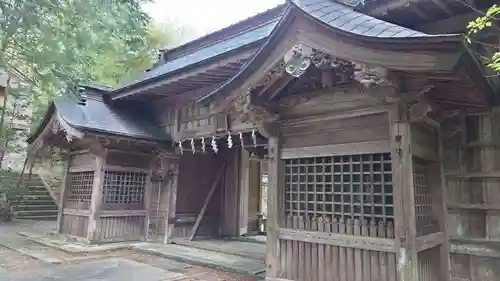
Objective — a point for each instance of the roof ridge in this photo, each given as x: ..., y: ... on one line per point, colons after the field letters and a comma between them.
x: 224, y: 39
x: 245, y: 24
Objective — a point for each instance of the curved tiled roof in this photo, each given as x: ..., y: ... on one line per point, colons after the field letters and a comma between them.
x: 100, y: 117
x: 97, y: 115
x: 224, y: 46
x: 335, y: 15
x: 345, y: 18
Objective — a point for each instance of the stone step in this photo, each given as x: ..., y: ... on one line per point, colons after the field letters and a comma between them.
x: 36, y: 213
x: 240, y: 248
x: 28, y: 197
x: 200, y: 257
x: 38, y: 217
x: 35, y: 207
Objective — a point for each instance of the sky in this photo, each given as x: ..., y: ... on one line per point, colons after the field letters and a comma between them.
x: 200, y: 17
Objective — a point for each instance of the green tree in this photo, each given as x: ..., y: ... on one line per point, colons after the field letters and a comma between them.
x: 486, y: 23
x: 60, y: 43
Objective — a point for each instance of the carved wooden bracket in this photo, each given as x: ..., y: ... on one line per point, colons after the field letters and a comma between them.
x: 259, y: 113
x: 373, y: 76
x: 301, y: 56
x: 60, y: 124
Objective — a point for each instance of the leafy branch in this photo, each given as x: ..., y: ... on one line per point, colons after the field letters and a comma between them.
x: 483, y: 23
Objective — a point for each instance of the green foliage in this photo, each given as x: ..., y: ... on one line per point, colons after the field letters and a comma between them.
x: 58, y: 44
x: 8, y: 185
x: 484, y: 23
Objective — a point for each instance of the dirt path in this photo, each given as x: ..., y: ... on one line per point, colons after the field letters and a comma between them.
x: 11, y: 260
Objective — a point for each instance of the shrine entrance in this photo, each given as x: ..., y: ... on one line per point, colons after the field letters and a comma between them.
x: 219, y: 190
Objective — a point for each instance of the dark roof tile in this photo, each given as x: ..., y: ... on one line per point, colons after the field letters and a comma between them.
x: 337, y: 16
x: 97, y: 115
x: 208, y: 52
x: 379, y: 28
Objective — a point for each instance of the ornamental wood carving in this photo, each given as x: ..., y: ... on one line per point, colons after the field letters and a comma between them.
x: 373, y: 76
x: 301, y: 57
x: 252, y: 111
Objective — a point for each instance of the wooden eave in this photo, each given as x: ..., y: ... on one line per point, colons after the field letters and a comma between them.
x: 208, y: 72
x: 433, y: 54
x: 46, y: 129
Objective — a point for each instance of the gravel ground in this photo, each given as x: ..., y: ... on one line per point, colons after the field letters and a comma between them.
x: 195, y: 273
x: 13, y: 261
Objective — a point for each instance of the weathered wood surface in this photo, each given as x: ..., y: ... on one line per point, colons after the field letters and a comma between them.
x: 215, y: 184
x: 472, y: 177
x: 348, y: 250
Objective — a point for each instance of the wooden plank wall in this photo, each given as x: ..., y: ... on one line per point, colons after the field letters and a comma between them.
x: 230, y: 197
x: 254, y: 195
x: 344, y: 123
x: 196, y: 174
x: 472, y: 166
x: 343, y: 259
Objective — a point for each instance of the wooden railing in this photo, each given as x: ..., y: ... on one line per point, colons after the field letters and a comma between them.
x: 343, y: 249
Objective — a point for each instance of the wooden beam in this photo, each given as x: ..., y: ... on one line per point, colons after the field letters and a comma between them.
x: 62, y: 195
x: 336, y: 149
x: 97, y: 186
x: 443, y: 210
x: 244, y: 192
x: 340, y: 240
x: 148, y: 195
x: 215, y: 184
x: 430, y: 241
x: 176, y: 78
x: 173, y: 164
x: 273, y: 207
x: 404, y: 208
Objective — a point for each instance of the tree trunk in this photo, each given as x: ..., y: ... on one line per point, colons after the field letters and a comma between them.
x: 2, y: 119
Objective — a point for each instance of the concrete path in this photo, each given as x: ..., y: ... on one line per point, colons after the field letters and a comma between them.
x: 200, y: 257
x: 114, y: 269
x: 240, y: 248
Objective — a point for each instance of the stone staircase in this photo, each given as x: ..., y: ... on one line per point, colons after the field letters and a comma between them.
x: 32, y: 200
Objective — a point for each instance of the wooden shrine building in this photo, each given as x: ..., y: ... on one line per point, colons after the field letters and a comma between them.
x: 379, y: 143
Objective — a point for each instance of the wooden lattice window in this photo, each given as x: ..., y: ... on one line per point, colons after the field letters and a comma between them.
x: 79, y: 193
x: 123, y: 190
x: 342, y: 187
x: 425, y: 219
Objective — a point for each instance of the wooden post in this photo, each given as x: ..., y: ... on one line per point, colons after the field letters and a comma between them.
x: 148, y: 197
x: 244, y: 192
x: 95, y: 203
x: 273, y: 207
x: 173, y: 170
x: 404, y: 203
x: 62, y: 195
x: 443, y: 214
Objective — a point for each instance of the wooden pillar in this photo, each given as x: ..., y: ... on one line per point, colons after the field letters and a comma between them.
x: 62, y: 194
x: 95, y: 203
x: 172, y: 162
x: 148, y: 195
x: 404, y: 203
x: 274, y: 205
x: 244, y: 192
x: 443, y: 214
